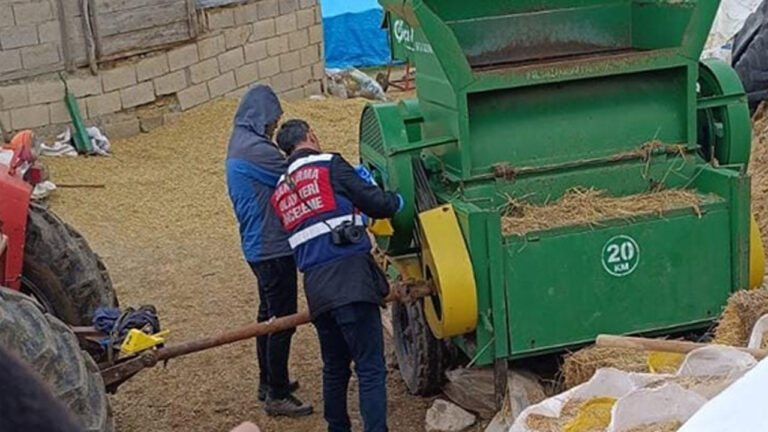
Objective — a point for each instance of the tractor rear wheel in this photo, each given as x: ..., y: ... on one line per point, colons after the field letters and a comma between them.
x: 61, y: 271
x: 50, y: 348
x: 421, y: 358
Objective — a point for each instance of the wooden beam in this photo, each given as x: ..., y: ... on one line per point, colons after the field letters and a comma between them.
x: 93, y: 8
x: 106, y: 6
x: 663, y: 345
x: 192, y: 18
x: 132, y: 20
x: 90, y: 42
x: 142, y: 41
x: 66, y: 43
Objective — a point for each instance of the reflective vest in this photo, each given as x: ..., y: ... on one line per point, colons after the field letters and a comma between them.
x: 309, y: 208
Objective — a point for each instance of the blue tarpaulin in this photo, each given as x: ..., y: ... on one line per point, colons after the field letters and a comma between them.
x: 353, y: 33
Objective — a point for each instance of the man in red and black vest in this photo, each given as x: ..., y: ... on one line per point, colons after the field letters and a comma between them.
x: 321, y: 201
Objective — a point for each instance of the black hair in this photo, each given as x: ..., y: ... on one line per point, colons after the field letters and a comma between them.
x: 291, y: 133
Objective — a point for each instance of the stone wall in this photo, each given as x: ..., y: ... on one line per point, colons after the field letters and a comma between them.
x: 31, y: 36
x: 275, y: 42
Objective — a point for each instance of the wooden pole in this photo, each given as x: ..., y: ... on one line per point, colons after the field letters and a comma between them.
x: 663, y: 345
x: 66, y: 42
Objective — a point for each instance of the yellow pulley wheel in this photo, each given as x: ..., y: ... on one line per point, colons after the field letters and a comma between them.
x: 756, y: 255
x: 452, y: 310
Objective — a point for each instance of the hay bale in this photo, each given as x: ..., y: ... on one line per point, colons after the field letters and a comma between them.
x: 581, y: 206
x: 741, y: 313
x: 580, y: 366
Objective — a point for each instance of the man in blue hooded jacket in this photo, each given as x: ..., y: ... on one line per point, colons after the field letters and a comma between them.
x: 254, y: 165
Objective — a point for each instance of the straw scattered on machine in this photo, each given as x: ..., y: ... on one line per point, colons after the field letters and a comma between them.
x: 582, y: 206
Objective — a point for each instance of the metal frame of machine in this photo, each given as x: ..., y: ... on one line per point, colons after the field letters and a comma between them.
x: 528, y: 99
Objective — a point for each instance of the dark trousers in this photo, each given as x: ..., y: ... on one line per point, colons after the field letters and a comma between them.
x: 277, y: 297
x: 353, y: 333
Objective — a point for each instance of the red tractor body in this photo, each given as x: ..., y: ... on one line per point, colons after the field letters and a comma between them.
x: 16, y: 170
x: 14, y: 206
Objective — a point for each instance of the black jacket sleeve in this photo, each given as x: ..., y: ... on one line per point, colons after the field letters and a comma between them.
x: 371, y: 200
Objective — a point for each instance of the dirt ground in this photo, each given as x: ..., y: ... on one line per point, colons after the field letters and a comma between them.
x: 164, y: 226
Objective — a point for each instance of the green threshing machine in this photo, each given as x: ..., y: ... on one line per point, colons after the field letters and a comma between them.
x: 529, y: 99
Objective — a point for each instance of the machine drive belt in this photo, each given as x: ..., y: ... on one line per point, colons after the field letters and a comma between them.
x: 425, y: 198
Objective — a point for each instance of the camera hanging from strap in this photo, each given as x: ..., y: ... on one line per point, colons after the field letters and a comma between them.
x: 346, y: 233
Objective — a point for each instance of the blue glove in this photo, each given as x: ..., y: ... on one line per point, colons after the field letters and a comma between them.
x: 365, y: 174
x: 401, y: 203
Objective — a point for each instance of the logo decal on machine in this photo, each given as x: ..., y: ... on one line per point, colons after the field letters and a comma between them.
x: 621, y: 254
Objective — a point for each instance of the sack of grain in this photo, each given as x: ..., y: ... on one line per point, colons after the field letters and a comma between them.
x: 618, y: 401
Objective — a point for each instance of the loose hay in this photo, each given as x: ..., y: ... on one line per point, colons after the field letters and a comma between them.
x: 542, y: 423
x: 577, y: 415
x: 734, y: 328
x: 580, y: 206
x: 758, y: 167
x: 580, y: 366
x: 657, y: 427
x: 741, y: 313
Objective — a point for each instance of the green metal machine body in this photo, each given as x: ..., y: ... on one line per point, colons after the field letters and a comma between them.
x: 530, y: 98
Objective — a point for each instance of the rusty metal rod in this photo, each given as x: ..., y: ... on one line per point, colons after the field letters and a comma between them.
x: 245, y: 332
x: 403, y: 293
x: 115, y: 374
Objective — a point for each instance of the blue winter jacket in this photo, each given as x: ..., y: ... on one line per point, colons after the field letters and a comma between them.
x: 254, y: 164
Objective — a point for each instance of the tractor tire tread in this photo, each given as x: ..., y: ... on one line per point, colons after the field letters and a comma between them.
x: 51, y: 349
x: 422, y: 366
x: 57, y: 253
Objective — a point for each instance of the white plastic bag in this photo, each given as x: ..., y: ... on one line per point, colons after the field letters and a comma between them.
x: 729, y: 20
x: 758, y: 331
x: 653, y: 398
x: 716, y: 360
x: 651, y: 406
x: 351, y: 83
x: 607, y: 382
x: 739, y: 408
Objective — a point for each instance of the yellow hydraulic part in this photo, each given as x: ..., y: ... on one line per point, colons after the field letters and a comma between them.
x: 756, y: 255
x: 664, y: 362
x: 595, y: 414
x: 452, y: 311
x: 381, y: 228
x: 137, y: 341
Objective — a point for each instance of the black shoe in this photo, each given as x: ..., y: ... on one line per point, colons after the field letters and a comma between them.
x: 264, y: 390
x: 290, y: 406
